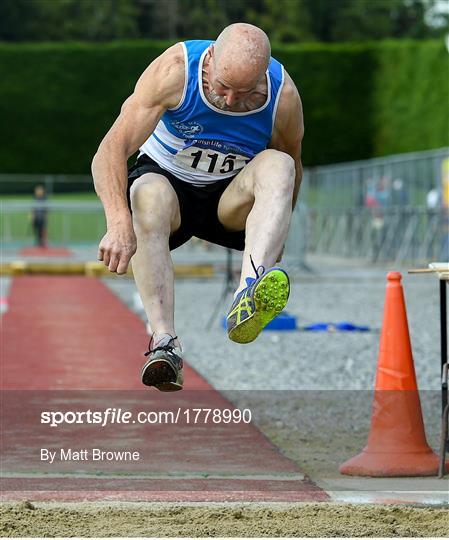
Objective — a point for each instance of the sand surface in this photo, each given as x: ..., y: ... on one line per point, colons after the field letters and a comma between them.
x: 103, y: 520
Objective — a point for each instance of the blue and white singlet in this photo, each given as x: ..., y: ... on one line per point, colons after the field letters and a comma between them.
x: 201, y: 144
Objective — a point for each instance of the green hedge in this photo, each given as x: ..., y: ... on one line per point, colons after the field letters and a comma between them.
x: 58, y: 100
x: 411, y: 101
x: 335, y: 84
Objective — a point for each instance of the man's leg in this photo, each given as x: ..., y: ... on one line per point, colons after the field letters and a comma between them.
x: 42, y: 242
x: 259, y: 200
x: 156, y: 215
x: 36, y: 231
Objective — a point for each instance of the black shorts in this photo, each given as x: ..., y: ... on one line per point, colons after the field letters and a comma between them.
x: 198, y: 206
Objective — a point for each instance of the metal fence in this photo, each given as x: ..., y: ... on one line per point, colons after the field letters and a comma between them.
x: 378, y: 209
x: 406, y: 177
x: 24, y: 184
x: 333, y: 215
x: 400, y: 234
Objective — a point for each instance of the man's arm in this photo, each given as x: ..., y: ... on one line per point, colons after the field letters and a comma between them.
x: 288, y: 128
x: 160, y: 87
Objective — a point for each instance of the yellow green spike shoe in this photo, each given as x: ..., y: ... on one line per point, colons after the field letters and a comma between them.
x: 258, y: 304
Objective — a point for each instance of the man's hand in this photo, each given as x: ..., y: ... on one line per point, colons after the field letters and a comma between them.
x: 117, y: 247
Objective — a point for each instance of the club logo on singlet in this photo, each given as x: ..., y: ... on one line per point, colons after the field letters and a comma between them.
x: 188, y: 129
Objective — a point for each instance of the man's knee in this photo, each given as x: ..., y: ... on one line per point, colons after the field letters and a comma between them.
x: 154, y: 203
x: 275, y: 169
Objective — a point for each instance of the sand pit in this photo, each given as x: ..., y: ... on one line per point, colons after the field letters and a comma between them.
x: 102, y: 519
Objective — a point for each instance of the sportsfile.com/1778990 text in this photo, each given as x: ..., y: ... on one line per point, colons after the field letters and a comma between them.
x: 180, y: 415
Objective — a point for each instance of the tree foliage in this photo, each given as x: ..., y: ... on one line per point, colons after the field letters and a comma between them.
x: 65, y: 20
x: 283, y: 20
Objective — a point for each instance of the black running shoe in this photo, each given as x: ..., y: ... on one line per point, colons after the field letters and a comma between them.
x: 163, y: 369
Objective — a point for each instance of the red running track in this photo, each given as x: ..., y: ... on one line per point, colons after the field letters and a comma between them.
x: 69, y: 344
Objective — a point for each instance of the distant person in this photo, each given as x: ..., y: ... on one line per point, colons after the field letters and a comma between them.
x: 399, y: 217
x: 436, y: 208
x: 378, y: 199
x: 218, y: 126
x: 433, y: 199
x: 39, y: 214
x: 399, y: 193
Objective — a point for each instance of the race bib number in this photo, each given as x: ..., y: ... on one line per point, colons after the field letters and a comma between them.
x: 209, y: 160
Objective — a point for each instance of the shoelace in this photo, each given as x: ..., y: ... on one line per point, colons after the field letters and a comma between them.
x: 167, y: 347
x: 257, y: 271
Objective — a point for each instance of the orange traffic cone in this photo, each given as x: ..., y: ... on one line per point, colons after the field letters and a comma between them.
x: 397, y: 443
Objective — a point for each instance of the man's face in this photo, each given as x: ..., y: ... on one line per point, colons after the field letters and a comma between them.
x: 227, y: 89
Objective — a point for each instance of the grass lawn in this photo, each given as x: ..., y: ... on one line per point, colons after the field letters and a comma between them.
x: 64, y: 226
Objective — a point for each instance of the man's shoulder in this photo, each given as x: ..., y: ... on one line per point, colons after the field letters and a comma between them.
x: 163, y: 80
x: 289, y: 101
x: 289, y: 121
x: 172, y: 60
x: 290, y: 93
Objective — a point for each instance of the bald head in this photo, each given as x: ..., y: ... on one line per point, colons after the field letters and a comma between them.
x: 242, y: 53
x: 235, y: 67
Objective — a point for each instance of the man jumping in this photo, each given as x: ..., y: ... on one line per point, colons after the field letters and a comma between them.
x: 218, y: 126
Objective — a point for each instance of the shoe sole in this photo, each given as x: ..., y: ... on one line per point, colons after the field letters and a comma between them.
x: 270, y: 298
x: 158, y: 373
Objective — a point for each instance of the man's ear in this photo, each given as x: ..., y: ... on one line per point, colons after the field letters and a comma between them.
x: 212, y: 52
x: 211, y: 60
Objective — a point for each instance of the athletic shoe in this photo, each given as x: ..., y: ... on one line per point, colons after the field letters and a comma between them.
x: 163, y: 369
x: 259, y: 303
